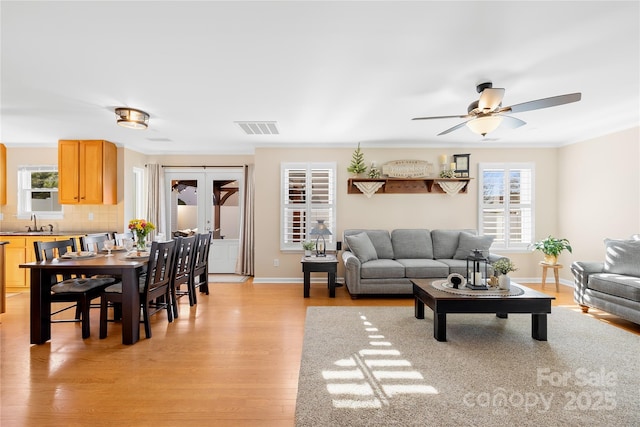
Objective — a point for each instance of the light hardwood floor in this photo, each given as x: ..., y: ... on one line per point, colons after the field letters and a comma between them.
x: 232, y: 360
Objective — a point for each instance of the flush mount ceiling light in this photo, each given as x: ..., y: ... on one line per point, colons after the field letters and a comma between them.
x: 132, y: 118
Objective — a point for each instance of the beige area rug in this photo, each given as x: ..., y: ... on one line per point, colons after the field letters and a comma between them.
x: 227, y: 278
x: 380, y: 366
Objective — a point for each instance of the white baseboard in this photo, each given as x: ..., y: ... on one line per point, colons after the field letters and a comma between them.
x: 300, y: 280
x: 551, y: 281
x: 283, y: 280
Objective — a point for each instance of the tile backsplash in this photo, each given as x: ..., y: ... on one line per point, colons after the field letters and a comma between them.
x: 77, y: 219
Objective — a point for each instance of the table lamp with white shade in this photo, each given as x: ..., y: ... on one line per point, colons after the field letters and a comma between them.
x: 320, y: 230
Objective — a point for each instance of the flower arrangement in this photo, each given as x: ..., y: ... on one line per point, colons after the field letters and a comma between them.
x: 504, y: 266
x: 141, y: 227
x: 447, y: 174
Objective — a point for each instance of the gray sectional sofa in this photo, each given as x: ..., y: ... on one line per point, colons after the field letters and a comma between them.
x: 383, y: 263
x: 613, y: 285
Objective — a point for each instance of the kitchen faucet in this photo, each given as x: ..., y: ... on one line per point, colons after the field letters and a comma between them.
x: 35, y: 223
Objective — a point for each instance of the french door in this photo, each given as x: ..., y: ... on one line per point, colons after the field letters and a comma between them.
x: 208, y: 200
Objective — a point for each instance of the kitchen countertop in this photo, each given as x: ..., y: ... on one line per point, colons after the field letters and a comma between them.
x: 39, y: 233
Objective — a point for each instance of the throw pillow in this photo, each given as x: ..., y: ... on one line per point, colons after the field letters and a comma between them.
x: 468, y: 242
x: 361, y: 246
x: 445, y: 242
x: 622, y: 257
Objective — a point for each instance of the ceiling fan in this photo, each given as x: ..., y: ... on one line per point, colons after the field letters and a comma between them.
x: 487, y: 113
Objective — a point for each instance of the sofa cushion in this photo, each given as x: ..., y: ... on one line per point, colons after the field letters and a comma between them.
x: 382, y: 242
x: 381, y: 269
x: 423, y: 268
x: 622, y: 257
x: 380, y: 238
x: 445, y: 242
x: 467, y: 242
x: 615, y: 284
x: 412, y: 243
x: 361, y: 246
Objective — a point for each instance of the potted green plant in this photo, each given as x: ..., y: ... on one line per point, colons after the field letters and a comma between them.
x: 504, y: 266
x: 552, y: 247
x: 308, y: 246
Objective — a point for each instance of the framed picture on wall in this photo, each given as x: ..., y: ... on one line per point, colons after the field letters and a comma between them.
x: 462, y: 165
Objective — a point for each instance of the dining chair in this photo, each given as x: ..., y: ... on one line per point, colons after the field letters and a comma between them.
x: 119, y: 237
x: 182, y: 271
x: 94, y: 242
x: 154, y: 288
x: 78, y: 290
x: 200, y: 276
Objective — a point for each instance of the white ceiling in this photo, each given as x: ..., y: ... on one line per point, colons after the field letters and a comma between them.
x: 331, y: 74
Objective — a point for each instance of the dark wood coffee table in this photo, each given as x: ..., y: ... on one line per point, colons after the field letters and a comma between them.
x: 442, y: 303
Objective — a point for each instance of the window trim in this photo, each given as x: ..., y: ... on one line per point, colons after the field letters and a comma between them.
x: 308, y: 206
x: 509, y: 246
x: 22, y: 212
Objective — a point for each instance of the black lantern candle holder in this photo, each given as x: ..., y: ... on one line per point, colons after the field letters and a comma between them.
x: 476, y: 266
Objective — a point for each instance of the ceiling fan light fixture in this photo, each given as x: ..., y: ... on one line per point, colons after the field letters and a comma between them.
x: 484, y: 125
x: 132, y: 118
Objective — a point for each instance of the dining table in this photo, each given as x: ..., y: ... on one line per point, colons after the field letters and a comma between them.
x: 127, y: 267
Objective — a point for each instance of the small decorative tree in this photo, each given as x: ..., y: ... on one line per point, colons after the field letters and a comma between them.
x: 357, y: 165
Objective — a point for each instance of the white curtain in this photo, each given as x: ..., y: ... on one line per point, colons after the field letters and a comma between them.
x: 245, y: 263
x: 155, y: 198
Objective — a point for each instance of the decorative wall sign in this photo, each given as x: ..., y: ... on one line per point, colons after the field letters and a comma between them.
x: 407, y: 169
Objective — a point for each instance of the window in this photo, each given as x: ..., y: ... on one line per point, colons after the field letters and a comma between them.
x: 308, y: 194
x: 506, y: 204
x: 38, y: 192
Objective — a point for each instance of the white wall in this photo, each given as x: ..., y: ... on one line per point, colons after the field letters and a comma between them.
x: 598, y: 193
x: 584, y: 192
x: 388, y: 211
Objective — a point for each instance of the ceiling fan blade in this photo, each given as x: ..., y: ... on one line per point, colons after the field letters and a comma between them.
x: 511, y: 122
x: 490, y: 99
x: 543, y: 103
x: 458, y: 126
x: 441, y: 117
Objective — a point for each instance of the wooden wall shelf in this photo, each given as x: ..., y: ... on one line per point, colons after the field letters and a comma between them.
x: 405, y: 185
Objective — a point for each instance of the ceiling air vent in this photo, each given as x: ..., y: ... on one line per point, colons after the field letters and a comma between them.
x: 259, y: 128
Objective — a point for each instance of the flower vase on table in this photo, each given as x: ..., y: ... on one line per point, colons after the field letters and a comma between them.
x: 141, y: 228
x: 141, y: 243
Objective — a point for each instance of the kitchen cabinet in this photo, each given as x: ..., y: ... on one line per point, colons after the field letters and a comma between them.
x: 3, y: 174
x: 14, y: 255
x: 87, y: 172
x: 19, y: 250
